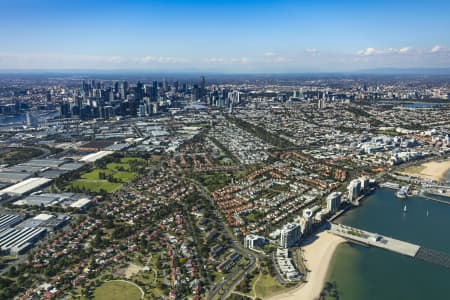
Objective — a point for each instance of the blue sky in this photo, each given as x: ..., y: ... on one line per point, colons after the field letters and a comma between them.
x: 229, y: 36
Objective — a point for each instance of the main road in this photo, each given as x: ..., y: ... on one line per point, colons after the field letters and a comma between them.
x: 232, y: 279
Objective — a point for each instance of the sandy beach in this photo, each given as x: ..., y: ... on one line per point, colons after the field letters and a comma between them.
x: 434, y: 170
x: 318, y: 255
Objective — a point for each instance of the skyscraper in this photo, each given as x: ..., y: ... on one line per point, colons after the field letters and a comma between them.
x: 139, y: 91
x: 165, y: 85
x: 195, y: 93
x: 202, y: 86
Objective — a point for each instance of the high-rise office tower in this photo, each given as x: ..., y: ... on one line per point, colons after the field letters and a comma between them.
x: 202, y: 86
x: 139, y: 91
x: 165, y: 85
x: 195, y: 93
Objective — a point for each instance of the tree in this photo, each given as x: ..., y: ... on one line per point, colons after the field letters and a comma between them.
x: 12, y: 272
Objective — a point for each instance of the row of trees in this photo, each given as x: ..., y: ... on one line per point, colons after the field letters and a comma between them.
x: 263, y: 134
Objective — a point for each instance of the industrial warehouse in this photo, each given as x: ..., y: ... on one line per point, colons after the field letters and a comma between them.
x: 18, y: 235
x: 72, y: 200
x: 23, y: 185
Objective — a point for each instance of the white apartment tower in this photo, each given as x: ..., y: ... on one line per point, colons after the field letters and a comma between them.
x: 290, y: 235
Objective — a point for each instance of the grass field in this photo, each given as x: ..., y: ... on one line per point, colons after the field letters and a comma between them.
x: 118, y: 166
x: 117, y: 290
x: 267, y: 286
x: 90, y: 185
x: 122, y: 176
x: 94, y: 174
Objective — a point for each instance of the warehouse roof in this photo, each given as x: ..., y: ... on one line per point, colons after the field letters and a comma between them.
x: 25, y: 186
x: 95, y: 156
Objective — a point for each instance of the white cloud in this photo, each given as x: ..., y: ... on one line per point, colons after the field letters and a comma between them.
x: 303, y: 59
x: 385, y: 51
x: 438, y: 49
x: 227, y: 61
x: 313, y: 51
x: 162, y: 60
x: 280, y: 59
x: 367, y: 52
x: 273, y: 57
x: 405, y: 50
x: 242, y: 60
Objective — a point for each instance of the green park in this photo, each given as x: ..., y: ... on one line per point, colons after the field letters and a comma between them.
x: 108, y: 177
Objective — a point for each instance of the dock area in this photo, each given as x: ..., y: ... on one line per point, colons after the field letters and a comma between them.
x: 374, y: 239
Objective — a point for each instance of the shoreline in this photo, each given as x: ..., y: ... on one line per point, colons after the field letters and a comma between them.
x: 318, y: 253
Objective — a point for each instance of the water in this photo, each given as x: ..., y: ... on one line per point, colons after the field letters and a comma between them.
x: 12, y: 119
x: 21, y: 118
x: 372, y: 273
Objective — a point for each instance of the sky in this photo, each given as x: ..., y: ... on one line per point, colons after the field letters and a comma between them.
x: 224, y: 36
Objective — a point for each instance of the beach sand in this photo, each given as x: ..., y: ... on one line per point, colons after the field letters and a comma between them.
x: 434, y: 170
x: 318, y: 255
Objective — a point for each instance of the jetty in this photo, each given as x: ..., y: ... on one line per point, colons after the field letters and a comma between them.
x: 374, y: 239
x: 367, y: 238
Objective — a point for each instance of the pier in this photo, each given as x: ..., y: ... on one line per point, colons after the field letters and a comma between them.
x: 408, y: 249
x: 374, y: 239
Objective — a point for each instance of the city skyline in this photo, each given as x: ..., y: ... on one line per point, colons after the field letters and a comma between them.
x: 224, y: 36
